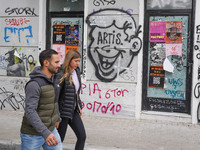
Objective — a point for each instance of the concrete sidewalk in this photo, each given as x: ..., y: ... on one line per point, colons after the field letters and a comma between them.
x: 113, y: 134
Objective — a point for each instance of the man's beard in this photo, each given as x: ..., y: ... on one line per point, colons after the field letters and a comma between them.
x: 51, y: 69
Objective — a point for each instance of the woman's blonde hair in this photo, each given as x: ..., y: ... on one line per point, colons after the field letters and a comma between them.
x: 72, y: 54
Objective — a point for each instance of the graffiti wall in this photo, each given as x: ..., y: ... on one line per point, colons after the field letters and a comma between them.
x: 168, y: 4
x: 12, y: 93
x: 132, y: 7
x: 108, y: 100
x: 196, y: 69
x: 18, y: 61
x: 18, y: 49
x: 113, y: 45
x: 114, y: 41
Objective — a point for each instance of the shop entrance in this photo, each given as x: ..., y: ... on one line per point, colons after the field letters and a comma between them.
x: 167, y: 67
x: 65, y: 27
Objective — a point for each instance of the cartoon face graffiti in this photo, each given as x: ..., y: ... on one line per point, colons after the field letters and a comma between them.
x: 114, y: 42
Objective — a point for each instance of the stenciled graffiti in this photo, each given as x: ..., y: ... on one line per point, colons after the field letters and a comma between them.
x: 9, y: 99
x: 20, y: 11
x: 19, y: 64
x: 114, y: 42
x: 103, y: 2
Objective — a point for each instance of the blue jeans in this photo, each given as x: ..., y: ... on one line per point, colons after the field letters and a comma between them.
x: 35, y: 142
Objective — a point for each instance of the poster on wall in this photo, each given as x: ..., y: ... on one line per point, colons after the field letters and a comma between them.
x: 157, y: 31
x: 58, y: 34
x: 173, y: 32
x: 60, y: 48
x: 65, y: 38
x: 156, y: 77
x: 71, y: 37
x: 157, y: 54
x: 173, y: 49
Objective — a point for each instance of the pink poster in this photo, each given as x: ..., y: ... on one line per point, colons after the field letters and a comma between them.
x: 60, y: 48
x: 157, y: 31
x: 173, y: 49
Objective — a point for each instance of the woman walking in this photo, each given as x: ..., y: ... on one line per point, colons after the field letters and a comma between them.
x: 70, y: 106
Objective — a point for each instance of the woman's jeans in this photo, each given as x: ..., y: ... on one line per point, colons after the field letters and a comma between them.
x: 77, y: 126
x: 35, y: 142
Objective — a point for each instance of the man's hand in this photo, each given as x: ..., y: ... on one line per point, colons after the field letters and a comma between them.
x: 51, y: 140
x: 57, y: 125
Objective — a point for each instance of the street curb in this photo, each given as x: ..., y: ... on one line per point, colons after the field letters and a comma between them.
x: 10, y: 144
x: 15, y: 145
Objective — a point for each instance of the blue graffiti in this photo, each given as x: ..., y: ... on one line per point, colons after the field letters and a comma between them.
x: 18, y: 31
x: 176, y: 82
x: 128, y: 10
x: 3, y: 58
x: 3, y: 61
x: 175, y: 94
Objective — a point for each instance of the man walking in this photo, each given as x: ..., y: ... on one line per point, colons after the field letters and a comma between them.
x: 41, y: 115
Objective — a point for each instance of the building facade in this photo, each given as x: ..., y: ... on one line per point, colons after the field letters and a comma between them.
x: 140, y: 59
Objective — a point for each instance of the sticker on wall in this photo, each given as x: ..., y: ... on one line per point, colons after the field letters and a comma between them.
x: 157, y: 31
x: 67, y: 8
x: 156, y: 77
x: 173, y: 32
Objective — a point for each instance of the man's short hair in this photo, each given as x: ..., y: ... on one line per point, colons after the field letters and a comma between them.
x: 46, y: 55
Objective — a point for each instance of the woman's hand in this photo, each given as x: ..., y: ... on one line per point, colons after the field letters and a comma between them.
x: 80, y: 113
x: 57, y: 125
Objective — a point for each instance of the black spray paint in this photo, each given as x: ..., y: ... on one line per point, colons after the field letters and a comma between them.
x: 114, y: 42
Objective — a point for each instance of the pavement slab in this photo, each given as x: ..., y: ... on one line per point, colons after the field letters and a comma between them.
x: 113, y: 134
